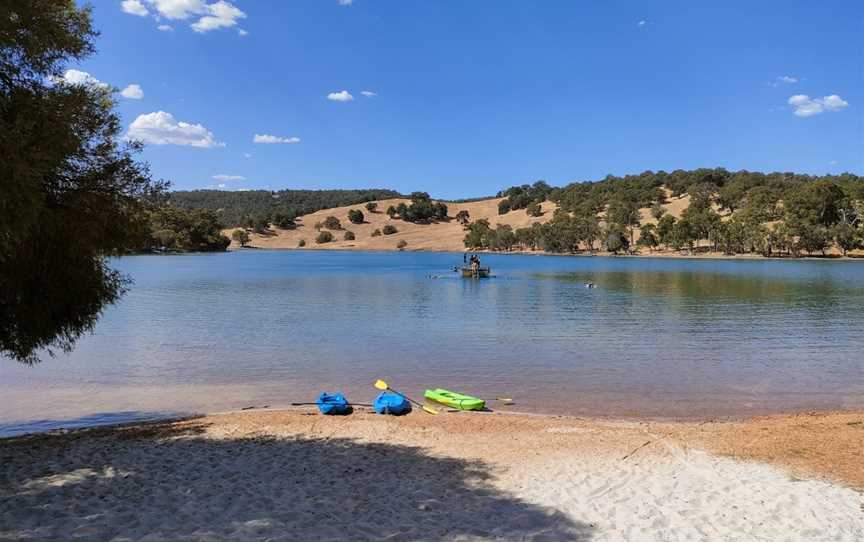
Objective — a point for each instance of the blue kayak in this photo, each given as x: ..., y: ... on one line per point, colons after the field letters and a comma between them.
x: 391, y: 403
x: 333, y: 404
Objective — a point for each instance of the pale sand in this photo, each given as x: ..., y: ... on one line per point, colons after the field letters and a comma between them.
x: 294, y: 475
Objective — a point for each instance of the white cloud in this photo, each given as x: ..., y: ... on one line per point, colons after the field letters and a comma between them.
x: 804, y: 106
x: 134, y: 7
x: 132, y: 92
x: 165, y: 27
x: 77, y: 77
x: 221, y: 14
x: 643, y: 22
x: 788, y: 79
x: 270, y: 139
x: 247, y: 155
x: 160, y: 128
x: 343, y: 96
x: 224, y: 178
x: 346, y: 2
x: 833, y: 163
x: 210, y: 16
x: 368, y: 93
x: 242, y: 32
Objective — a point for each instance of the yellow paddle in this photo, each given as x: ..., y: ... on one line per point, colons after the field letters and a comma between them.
x: 381, y: 385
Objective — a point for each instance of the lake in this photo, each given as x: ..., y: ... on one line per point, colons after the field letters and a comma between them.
x: 657, y: 337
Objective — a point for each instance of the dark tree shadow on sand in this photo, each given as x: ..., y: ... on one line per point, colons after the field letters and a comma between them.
x: 172, y: 483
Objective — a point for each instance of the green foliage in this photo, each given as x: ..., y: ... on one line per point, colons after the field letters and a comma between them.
x: 301, y: 243
x: 648, y: 237
x: 72, y: 193
x: 324, y: 237
x: 232, y: 206
x: 391, y: 211
x: 665, y: 229
x: 463, y: 217
x: 534, y: 209
x: 657, y: 210
x: 615, y: 239
x: 241, y: 237
x: 284, y: 221
x: 355, y: 216
x: 376, y: 233
x: 372, y: 206
x: 402, y: 244
x: 349, y: 235
x: 389, y: 229
x: 181, y: 231
x: 847, y: 237
x: 422, y: 209
x: 332, y: 223
x: 520, y: 197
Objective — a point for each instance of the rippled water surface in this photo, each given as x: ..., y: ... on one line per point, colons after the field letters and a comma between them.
x: 656, y: 337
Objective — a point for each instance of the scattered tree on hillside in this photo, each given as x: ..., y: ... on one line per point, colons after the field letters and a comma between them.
x: 389, y: 229
x: 324, y: 237
x: 332, y: 223
x: 372, y: 207
x: 534, y: 209
x: 463, y: 217
x: 240, y: 236
x: 402, y: 244
x: 349, y: 235
x: 355, y: 216
x: 376, y: 232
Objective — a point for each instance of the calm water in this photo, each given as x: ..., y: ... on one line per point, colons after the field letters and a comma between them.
x: 657, y: 337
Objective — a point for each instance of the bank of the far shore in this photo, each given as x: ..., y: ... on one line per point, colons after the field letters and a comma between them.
x: 289, y: 475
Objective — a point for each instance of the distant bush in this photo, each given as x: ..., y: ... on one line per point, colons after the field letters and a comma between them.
x: 241, y: 237
x: 503, y: 207
x: 324, y: 237
x: 390, y: 229
x: 301, y: 243
x: 463, y: 217
x: 355, y: 216
x: 402, y: 244
x: 284, y: 221
x: 391, y: 211
x: 332, y: 223
x: 376, y: 232
x: 534, y: 209
x: 372, y: 206
x: 349, y: 235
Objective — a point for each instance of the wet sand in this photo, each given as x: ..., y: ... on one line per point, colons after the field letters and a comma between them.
x: 295, y: 475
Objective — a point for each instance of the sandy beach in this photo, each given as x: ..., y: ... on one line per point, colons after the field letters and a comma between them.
x: 296, y: 475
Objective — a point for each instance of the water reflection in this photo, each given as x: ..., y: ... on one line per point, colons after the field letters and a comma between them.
x: 656, y: 337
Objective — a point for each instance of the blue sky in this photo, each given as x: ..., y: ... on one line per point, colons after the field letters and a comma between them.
x: 471, y: 97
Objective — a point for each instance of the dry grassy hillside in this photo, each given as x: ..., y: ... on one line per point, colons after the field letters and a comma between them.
x: 439, y: 236
x: 443, y: 236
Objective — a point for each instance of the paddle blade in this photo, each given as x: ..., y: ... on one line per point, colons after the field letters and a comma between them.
x: 429, y: 409
x: 381, y: 385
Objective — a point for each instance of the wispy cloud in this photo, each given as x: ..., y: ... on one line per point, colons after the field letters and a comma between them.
x: 271, y: 139
x: 161, y: 128
x: 368, y: 93
x: 784, y: 80
x: 345, y: 2
x: 165, y: 27
x: 643, y: 22
x: 342, y: 96
x: 805, y: 106
x: 222, y: 177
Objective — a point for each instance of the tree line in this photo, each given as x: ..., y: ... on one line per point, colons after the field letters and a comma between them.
x: 731, y: 212
x: 253, y: 208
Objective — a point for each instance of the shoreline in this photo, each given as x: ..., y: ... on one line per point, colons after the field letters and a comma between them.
x: 294, y: 474
x: 655, y: 255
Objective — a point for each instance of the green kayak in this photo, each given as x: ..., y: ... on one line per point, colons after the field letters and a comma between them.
x: 455, y: 400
